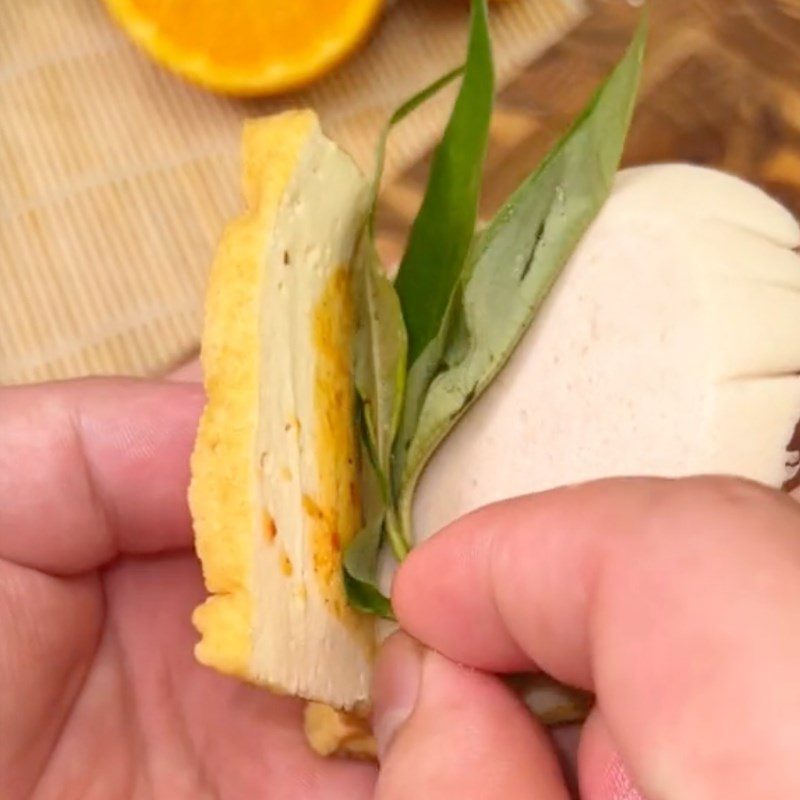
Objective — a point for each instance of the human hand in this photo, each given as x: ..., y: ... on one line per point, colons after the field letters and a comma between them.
x: 676, y: 602
x: 100, y: 696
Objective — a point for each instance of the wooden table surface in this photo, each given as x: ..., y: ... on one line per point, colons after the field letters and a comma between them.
x: 721, y: 88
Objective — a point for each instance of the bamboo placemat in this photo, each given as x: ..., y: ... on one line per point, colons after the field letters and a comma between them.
x: 116, y: 177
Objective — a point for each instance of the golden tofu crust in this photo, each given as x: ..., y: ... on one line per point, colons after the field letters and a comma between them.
x: 222, y: 491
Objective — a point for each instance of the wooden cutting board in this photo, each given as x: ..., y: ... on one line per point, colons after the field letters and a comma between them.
x: 116, y: 177
x: 721, y: 88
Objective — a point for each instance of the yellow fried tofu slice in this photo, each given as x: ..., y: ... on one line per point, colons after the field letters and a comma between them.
x: 274, y: 484
x: 338, y: 733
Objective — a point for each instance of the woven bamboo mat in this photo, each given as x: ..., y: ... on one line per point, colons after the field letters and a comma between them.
x: 116, y: 178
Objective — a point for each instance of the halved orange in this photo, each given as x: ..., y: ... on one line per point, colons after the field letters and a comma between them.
x: 247, y: 47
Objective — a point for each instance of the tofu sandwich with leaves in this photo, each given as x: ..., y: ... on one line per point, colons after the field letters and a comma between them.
x: 601, y: 324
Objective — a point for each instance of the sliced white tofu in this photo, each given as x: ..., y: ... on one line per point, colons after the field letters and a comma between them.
x: 308, y: 640
x: 670, y: 346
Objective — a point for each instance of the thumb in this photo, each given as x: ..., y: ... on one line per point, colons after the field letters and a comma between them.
x: 447, y: 731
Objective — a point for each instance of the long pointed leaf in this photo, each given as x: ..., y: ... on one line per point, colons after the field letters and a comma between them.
x: 433, y: 265
x: 380, y: 349
x: 520, y: 255
x: 443, y: 229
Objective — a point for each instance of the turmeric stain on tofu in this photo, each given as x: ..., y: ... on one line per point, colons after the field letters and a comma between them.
x: 268, y: 526
x: 334, y: 514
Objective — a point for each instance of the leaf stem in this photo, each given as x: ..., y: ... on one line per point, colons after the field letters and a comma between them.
x: 396, y: 535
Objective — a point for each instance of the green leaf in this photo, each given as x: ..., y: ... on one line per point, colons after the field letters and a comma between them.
x: 379, y: 371
x: 400, y: 113
x: 360, y: 568
x: 517, y: 259
x: 432, y: 267
x: 443, y: 229
x: 361, y: 556
x: 362, y: 594
x: 380, y: 347
x: 379, y: 353
x: 381, y: 341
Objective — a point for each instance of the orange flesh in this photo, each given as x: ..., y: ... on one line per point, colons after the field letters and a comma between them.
x: 239, y: 35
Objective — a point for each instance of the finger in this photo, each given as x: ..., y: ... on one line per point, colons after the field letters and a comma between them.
x: 677, y: 602
x: 519, y: 574
x: 446, y: 731
x: 91, y: 468
x: 190, y: 372
x: 603, y: 774
x: 48, y: 630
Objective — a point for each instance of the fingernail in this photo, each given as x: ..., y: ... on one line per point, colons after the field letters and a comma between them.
x: 398, y: 675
